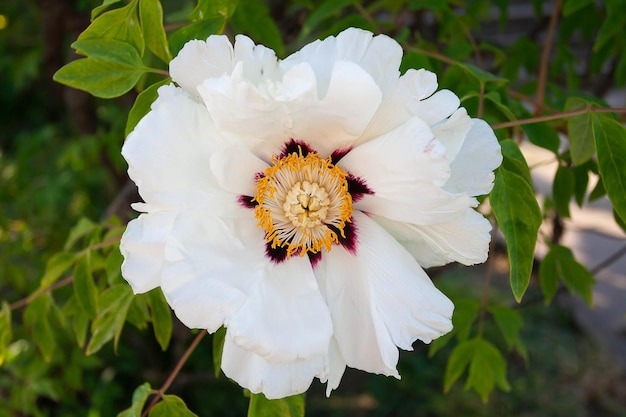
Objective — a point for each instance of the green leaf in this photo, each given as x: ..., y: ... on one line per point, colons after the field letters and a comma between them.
x: 543, y: 135
x: 459, y: 359
x: 323, y: 11
x: 110, y: 320
x: 151, y: 14
x: 56, y: 266
x: 5, y: 330
x: 513, y: 159
x: 169, y: 406
x: 208, y: 9
x: 487, y: 369
x: 82, y: 228
x: 572, y: 6
x: 580, y: 132
x: 120, y: 24
x: 105, y: 5
x: 482, y: 76
x: 36, y: 318
x: 563, y: 189
x: 142, y: 104
x: 519, y: 217
x: 85, y: 288
x: 465, y: 314
x: 581, y: 181
x: 218, y: 349
x: 111, y: 69
x: 198, y: 30
x: 284, y: 407
x: 510, y: 323
x: 140, y: 395
x: 161, y: 317
x: 610, y: 139
x: 253, y: 18
x: 113, y: 267
x: 560, y: 263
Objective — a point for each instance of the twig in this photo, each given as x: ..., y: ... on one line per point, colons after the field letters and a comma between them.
x: 557, y: 116
x: 545, y: 56
x: 42, y: 291
x: 159, y: 394
x: 608, y: 261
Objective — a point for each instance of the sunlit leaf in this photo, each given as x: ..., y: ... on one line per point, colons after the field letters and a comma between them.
x: 284, y: 407
x: 161, y: 317
x: 105, y: 5
x: 36, y: 317
x: 171, y: 405
x: 111, y: 69
x: 151, y: 14
x: 519, y: 217
x: 487, y: 370
x: 82, y: 228
x: 198, y: 30
x: 140, y: 395
x: 110, y: 320
x: 56, y: 266
x: 120, y: 24
x: 218, y: 349
x: 208, y: 9
x: 5, y: 331
x: 85, y: 289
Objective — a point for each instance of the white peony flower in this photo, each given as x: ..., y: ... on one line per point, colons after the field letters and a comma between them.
x: 296, y: 201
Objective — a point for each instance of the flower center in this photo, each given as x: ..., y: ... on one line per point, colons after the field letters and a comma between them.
x: 303, y: 203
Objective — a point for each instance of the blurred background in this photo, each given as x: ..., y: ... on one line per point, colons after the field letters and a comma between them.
x: 60, y: 161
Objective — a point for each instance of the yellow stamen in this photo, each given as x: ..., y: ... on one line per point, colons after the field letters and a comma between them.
x: 298, y: 198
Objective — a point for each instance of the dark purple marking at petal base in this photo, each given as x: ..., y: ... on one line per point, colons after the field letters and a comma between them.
x: 338, y: 154
x: 246, y: 201
x: 276, y: 255
x: 315, y: 258
x: 349, y: 242
x: 295, y: 146
x: 357, y: 187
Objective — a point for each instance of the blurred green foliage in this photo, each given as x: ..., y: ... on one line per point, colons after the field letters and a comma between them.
x: 82, y: 349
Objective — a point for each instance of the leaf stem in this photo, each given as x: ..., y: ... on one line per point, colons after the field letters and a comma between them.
x: 487, y: 284
x: 179, y: 365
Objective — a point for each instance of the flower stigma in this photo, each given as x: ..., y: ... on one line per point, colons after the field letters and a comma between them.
x: 303, y: 203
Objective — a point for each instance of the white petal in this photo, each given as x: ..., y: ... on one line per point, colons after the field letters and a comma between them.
x: 435, y: 108
x: 406, y: 299
x: 240, y: 111
x: 336, y: 367
x: 285, y: 317
x: 199, y: 60
x: 464, y: 239
x: 259, y: 62
x: 379, y: 56
x: 396, y: 107
x: 275, y: 380
x: 143, y: 248
x: 379, y: 298
x: 480, y: 155
x: 214, y: 263
x: 168, y: 153
x: 405, y: 169
x: 341, y: 116
x: 453, y: 131
x: 235, y: 168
